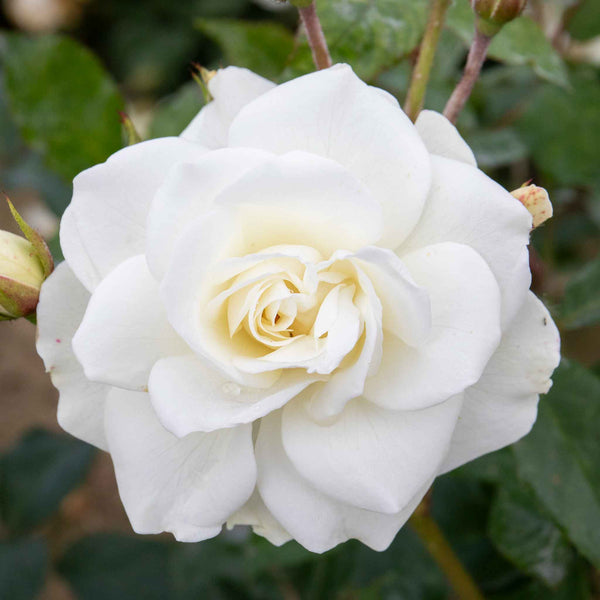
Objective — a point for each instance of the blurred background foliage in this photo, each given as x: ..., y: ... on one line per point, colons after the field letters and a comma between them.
x: 525, y: 520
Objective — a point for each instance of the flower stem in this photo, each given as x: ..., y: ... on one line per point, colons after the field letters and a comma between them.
x: 462, y: 91
x: 433, y: 538
x: 316, y: 38
x: 420, y: 75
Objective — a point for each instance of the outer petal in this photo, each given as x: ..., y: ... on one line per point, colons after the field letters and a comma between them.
x: 303, y: 199
x: 334, y: 114
x: 107, y: 215
x: 258, y: 516
x: 465, y: 331
x: 190, y: 395
x: 232, y: 88
x: 187, y: 193
x: 442, y: 138
x: 125, y: 329
x: 188, y: 486
x: 502, y: 406
x: 315, y: 520
x: 370, y: 457
x: 81, y: 403
x: 467, y: 207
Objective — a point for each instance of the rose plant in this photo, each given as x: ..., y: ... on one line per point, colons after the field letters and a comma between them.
x: 295, y: 315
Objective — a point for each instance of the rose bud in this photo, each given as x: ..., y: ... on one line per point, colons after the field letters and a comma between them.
x: 536, y: 200
x: 24, y: 265
x: 492, y: 15
x: 21, y: 276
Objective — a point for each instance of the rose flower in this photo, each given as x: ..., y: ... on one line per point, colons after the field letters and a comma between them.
x: 295, y: 315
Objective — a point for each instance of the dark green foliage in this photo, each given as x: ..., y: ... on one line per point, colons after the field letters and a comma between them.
x: 37, y: 474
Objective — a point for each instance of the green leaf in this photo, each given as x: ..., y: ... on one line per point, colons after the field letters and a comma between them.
x: 404, y: 571
x: 581, y: 304
x: 175, y: 112
x: 560, y: 457
x: 371, y: 35
x: 585, y: 23
x: 23, y: 566
x: 576, y: 586
x: 37, y: 474
x: 520, y: 42
x: 560, y: 129
x: 461, y: 506
x: 64, y: 103
x: 262, y: 47
x: 118, y: 567
x: 497, y: 147
x: 528, y: 539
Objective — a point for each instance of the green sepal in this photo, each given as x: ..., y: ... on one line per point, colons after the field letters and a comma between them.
x: 37, y: 241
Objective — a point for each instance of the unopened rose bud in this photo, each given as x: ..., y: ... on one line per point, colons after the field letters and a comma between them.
x: 21, y: 276
x: 536, y: 200
x: 492, y: 15
x: 24, y: 265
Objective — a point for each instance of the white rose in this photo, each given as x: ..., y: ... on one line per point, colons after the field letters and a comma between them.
x: 295, y: 315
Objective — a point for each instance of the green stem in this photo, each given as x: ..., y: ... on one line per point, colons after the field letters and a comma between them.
x: 420, y: 75
x: 462, y: 91
x: 434, y: 540
x: 316, y: 38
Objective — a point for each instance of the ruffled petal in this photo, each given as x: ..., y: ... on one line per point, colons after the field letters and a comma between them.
x: 63, y: 301
x: 406, y: 306
x: 125, y: 329
x: 327, y: 399
x: 371, y: 458
x: 187, y: 486
x: 231, y: 88
x: 334, y: 114
x: 315, y: 520
x: 502, y: 406
x: 465, y: 331
x: 258, y: 516
x: 106, y: 223
x: 187, y: 193
x: 190, y: 395
x: 303, y: 199
x: 442, y: 138
x: 467, y: 207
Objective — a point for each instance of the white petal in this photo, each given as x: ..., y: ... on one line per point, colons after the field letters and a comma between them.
x: 329, y: 398
x: 442, y: 138
x: 406, y: 306
x: 334, y: 114
x: 258, y: 516
x: 465, y: 331
x: 81, y: 403
x: 300, y: 198
x: 190, y: 395
x: 188, y: 192
x: 315, y: 520
x: 231, y: 88
x: 370, y: 457
x: 125, y: 329
x: 188, y: 486
x: 73, y: 246
x: 502, y: 406
x: 467, y: 207
x: 107, y: 215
